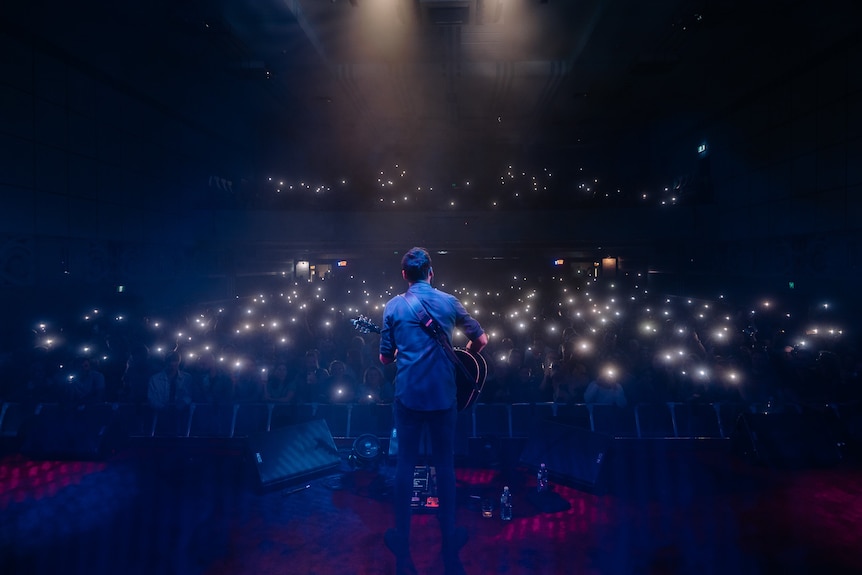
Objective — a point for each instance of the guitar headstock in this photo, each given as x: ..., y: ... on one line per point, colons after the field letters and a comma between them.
x: 365, y: 325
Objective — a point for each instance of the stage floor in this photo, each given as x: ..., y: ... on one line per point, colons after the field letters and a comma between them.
x: 662, y: 506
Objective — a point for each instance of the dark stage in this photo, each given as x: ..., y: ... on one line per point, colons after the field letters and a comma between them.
x: 194, y: 507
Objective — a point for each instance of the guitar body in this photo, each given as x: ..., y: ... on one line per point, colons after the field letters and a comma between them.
x: 469, y: 388
x: 469, y: 385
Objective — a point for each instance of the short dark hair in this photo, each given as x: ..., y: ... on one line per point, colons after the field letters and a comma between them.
x: 416, y: 264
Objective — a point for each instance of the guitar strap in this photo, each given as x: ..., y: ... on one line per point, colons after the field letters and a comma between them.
x: 430, y: 325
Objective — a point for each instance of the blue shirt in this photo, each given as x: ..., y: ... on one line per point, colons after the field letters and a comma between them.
x: 425, y: 376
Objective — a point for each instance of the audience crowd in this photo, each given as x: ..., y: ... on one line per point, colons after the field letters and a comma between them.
x: 561, y: 339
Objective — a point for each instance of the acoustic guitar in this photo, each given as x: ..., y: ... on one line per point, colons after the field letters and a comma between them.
x: 468, y: 381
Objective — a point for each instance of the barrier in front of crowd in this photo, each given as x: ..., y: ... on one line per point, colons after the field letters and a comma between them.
x: 238, y: 420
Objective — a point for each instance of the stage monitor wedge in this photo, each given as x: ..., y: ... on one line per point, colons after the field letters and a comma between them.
x: 293, y: 454
x: 572, y: 454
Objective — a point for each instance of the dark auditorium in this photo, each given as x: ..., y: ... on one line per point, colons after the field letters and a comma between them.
x: 437, y: 287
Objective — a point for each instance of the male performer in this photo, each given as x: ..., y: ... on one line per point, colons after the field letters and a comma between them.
x: 425, y: 395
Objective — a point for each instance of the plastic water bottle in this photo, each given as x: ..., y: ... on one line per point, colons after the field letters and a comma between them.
x: 542, y: 479
x: 506, y: 505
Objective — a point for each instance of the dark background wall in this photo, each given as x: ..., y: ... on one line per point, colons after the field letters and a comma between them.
x: 102, y: 185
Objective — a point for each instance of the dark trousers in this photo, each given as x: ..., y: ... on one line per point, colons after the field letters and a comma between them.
x: 441, y: 431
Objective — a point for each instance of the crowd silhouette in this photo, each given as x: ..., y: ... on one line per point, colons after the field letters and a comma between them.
x: 564, y: 340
